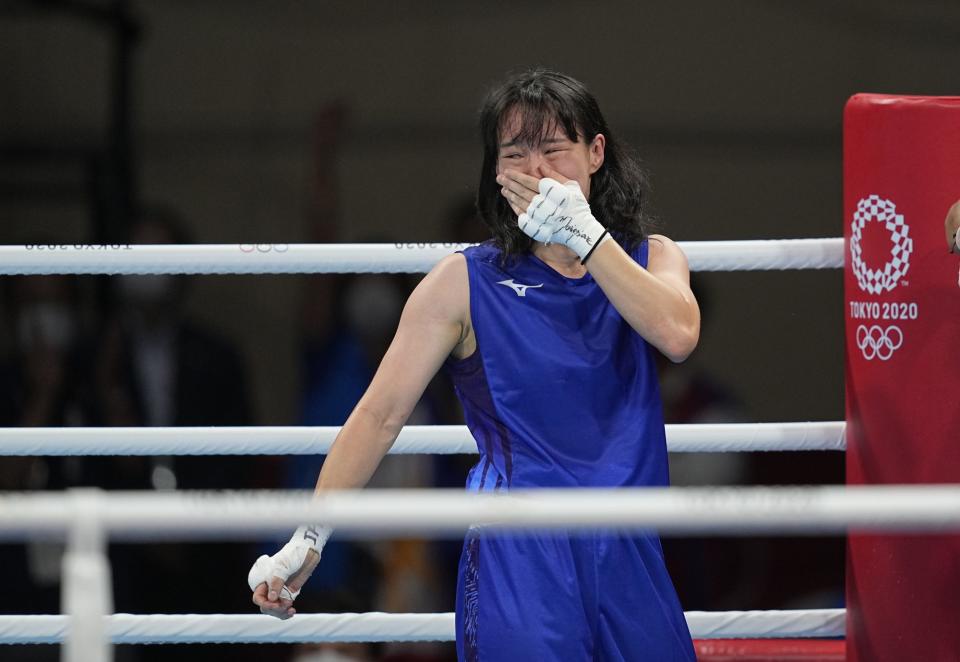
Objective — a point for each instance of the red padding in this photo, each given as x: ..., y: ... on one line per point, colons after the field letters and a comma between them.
x: 901, y: 174
x: 795, y: 650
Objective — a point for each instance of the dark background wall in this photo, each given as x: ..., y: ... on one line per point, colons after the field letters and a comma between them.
x: 736, y: 107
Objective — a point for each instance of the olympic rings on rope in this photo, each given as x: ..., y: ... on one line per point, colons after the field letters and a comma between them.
x: 265, y: 248
x: 878, y: 342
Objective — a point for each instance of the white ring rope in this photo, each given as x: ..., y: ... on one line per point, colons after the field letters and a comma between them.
x: 366, y: 258
x: 779, y: 624
x: 413, y: 439
x: 376, y: 626
x: 683, y: 511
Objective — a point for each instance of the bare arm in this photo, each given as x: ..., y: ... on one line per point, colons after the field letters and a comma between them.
x: 657, y: 301
x: 432, y: 325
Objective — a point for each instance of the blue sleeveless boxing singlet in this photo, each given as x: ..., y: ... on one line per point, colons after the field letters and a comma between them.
x: 561, y: 392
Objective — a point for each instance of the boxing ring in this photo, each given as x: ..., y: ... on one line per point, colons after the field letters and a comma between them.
x: 88, y: 519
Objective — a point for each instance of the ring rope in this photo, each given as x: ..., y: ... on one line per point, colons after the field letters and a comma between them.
x: 366, y: 258
x: 413, y: 439
x: 709, y: 511
x: 379, y: 627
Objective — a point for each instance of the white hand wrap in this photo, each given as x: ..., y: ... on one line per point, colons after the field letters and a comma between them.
x: 289, y: 559
x: 560, y: 214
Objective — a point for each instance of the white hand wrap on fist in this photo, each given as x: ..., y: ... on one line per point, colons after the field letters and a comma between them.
x: 289, y: 560
x: 560, y: 214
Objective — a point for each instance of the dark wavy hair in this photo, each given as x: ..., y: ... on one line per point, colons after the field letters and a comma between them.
x: 544, y: 100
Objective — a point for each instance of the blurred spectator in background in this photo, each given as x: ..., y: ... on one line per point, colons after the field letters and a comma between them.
x: 41, y: 385
x: 158, y: 367
x: 40, y: 381
x: 154, y: 366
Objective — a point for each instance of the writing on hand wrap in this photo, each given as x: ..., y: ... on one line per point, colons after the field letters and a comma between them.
x: 312, y: 535
x: 573, y: 230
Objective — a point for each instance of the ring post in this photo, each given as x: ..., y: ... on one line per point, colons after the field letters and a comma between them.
x: 901, y: 166
x: 87, y: 597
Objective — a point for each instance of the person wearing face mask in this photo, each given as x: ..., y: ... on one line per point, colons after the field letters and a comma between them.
x: 41, y: 385
x: 158, y: 367
x: 45, y: 328
x: 549, y: 332
x: 155, y: 366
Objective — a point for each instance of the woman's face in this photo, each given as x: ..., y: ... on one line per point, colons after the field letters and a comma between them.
x: 577, y: 160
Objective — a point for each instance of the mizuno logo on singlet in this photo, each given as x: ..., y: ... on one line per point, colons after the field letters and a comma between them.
x: 519, y: 288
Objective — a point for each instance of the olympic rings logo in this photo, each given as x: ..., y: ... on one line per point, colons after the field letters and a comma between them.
x: 875, y: 281
x: 264, y: 248
x: 877, y: 342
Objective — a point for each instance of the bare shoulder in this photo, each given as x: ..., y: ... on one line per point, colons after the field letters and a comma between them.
x: 455, y: 263
x: 445, y: 291
x: 664, y: 252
